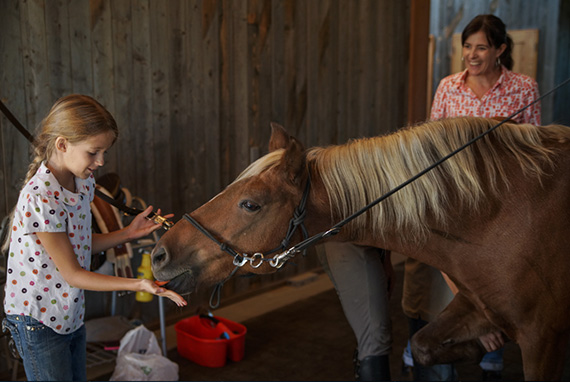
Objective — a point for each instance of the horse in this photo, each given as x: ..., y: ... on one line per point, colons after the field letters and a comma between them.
x: 493, y: 217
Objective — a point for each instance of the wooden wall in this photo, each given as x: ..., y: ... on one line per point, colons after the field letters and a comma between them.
x: 194, y: 85
x: 550, y: 17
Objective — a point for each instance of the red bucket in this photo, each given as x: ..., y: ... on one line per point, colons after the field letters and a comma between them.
x: 210, y: 341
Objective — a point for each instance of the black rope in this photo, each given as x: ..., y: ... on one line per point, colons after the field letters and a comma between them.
x: 16, y: 123
x: 223, y: 246
x: 217, y: 292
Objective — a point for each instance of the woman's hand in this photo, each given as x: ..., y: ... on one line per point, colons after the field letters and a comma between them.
x: 141, y: 226
x: 492, y: 341
x: 150, y: 287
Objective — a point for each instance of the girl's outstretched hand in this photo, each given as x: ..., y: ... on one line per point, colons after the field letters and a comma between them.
x: 150, y: 287
x: 141, y: 226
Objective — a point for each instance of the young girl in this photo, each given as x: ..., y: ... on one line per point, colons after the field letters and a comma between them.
x: 51, y: 242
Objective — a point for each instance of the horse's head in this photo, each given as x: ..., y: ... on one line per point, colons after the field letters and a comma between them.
x: 251, y: 215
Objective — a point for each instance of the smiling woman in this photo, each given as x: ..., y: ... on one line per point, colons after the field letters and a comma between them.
x: 487, y: 87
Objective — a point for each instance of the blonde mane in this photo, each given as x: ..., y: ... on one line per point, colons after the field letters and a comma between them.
x: 362, y: 170
x: 359, y: 171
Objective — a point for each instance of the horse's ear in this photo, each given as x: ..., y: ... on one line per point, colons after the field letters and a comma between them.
x: 279, y: 137
x: 293, y: 160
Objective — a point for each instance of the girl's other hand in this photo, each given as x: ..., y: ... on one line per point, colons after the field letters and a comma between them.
x: 150, y: 287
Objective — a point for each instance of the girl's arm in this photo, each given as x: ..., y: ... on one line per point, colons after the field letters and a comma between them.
x: 59, y: 248
x: 139, y: 227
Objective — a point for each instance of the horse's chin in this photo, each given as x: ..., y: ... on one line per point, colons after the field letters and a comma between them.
x: 183, y: 284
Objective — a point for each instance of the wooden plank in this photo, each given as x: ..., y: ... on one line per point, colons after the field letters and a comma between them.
x: 418, y: 71
x: 341, y: 132
x: 103, y: 73
x: 58, y: 49
x: 429, y: 79
x: 36, y: 72
x: 121, y: 88
x: 241, y: 73
x: 14, y: 147
x: 525, y: 51
x: 561, y: 112
x: 300, y: 86
x: 196, y: 149
x: 226, y: 26
x: 80, y: 47
x: 160, y: 170
x: 178, y: 95
x: 140, y: 116
x: 210, y: 73
x: 277, y: 86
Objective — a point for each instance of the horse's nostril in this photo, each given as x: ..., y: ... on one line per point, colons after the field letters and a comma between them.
x: 159, y: 256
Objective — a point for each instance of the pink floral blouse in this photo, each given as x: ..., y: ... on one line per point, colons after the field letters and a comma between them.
x: 511, y: 92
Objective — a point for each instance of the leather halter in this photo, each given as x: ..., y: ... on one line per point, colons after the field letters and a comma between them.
x: 257, y: 259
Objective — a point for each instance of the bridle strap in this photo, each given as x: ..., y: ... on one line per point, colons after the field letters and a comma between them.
x: 298, y: 220
x: 217, y: 292
x: 223, y: 246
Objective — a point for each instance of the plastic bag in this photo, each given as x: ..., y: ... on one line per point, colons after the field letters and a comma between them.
x: 140, y: 359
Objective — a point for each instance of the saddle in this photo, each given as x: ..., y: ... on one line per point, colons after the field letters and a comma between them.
x: 107, y: 218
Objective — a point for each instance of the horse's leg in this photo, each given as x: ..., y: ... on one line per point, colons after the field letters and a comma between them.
x: 453, y: 335
x: 543, y: 354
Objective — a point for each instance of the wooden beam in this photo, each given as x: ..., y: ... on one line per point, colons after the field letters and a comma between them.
x: 418, y: 66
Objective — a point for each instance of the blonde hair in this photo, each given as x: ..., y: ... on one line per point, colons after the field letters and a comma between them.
x: 75, y: 117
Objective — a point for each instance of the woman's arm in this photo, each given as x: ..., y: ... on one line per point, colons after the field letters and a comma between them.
x: 60, y: 250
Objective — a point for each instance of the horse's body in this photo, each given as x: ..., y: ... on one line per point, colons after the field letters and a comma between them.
x: 494, y: 217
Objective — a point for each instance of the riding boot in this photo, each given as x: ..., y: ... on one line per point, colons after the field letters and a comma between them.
x: 373, y: 368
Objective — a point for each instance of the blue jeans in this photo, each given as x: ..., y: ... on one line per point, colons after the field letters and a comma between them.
x: 493, y: 361
x: 47, y: 355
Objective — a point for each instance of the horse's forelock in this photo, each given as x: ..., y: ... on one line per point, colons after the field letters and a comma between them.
x: 264, y: 163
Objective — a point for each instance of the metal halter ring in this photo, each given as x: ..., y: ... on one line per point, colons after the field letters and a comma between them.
x: 256, y: 255
x: 239, y: 263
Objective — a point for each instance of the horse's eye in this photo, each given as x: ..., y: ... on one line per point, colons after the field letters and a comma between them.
x: 249, y: 205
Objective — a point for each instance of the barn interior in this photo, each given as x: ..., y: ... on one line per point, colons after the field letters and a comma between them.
x: 194, y: 86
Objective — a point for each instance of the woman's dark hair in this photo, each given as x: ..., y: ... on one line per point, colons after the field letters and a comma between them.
x: 496, y: 33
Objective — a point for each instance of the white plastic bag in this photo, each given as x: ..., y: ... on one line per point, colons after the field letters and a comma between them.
x: 140, y: 359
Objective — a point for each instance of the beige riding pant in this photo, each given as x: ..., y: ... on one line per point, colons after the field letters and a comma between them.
x: 360, y: 282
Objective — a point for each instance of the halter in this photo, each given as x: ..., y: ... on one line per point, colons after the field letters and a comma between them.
x: 258, y: 258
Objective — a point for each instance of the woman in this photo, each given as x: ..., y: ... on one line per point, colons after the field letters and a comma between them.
x: 487, y: 87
